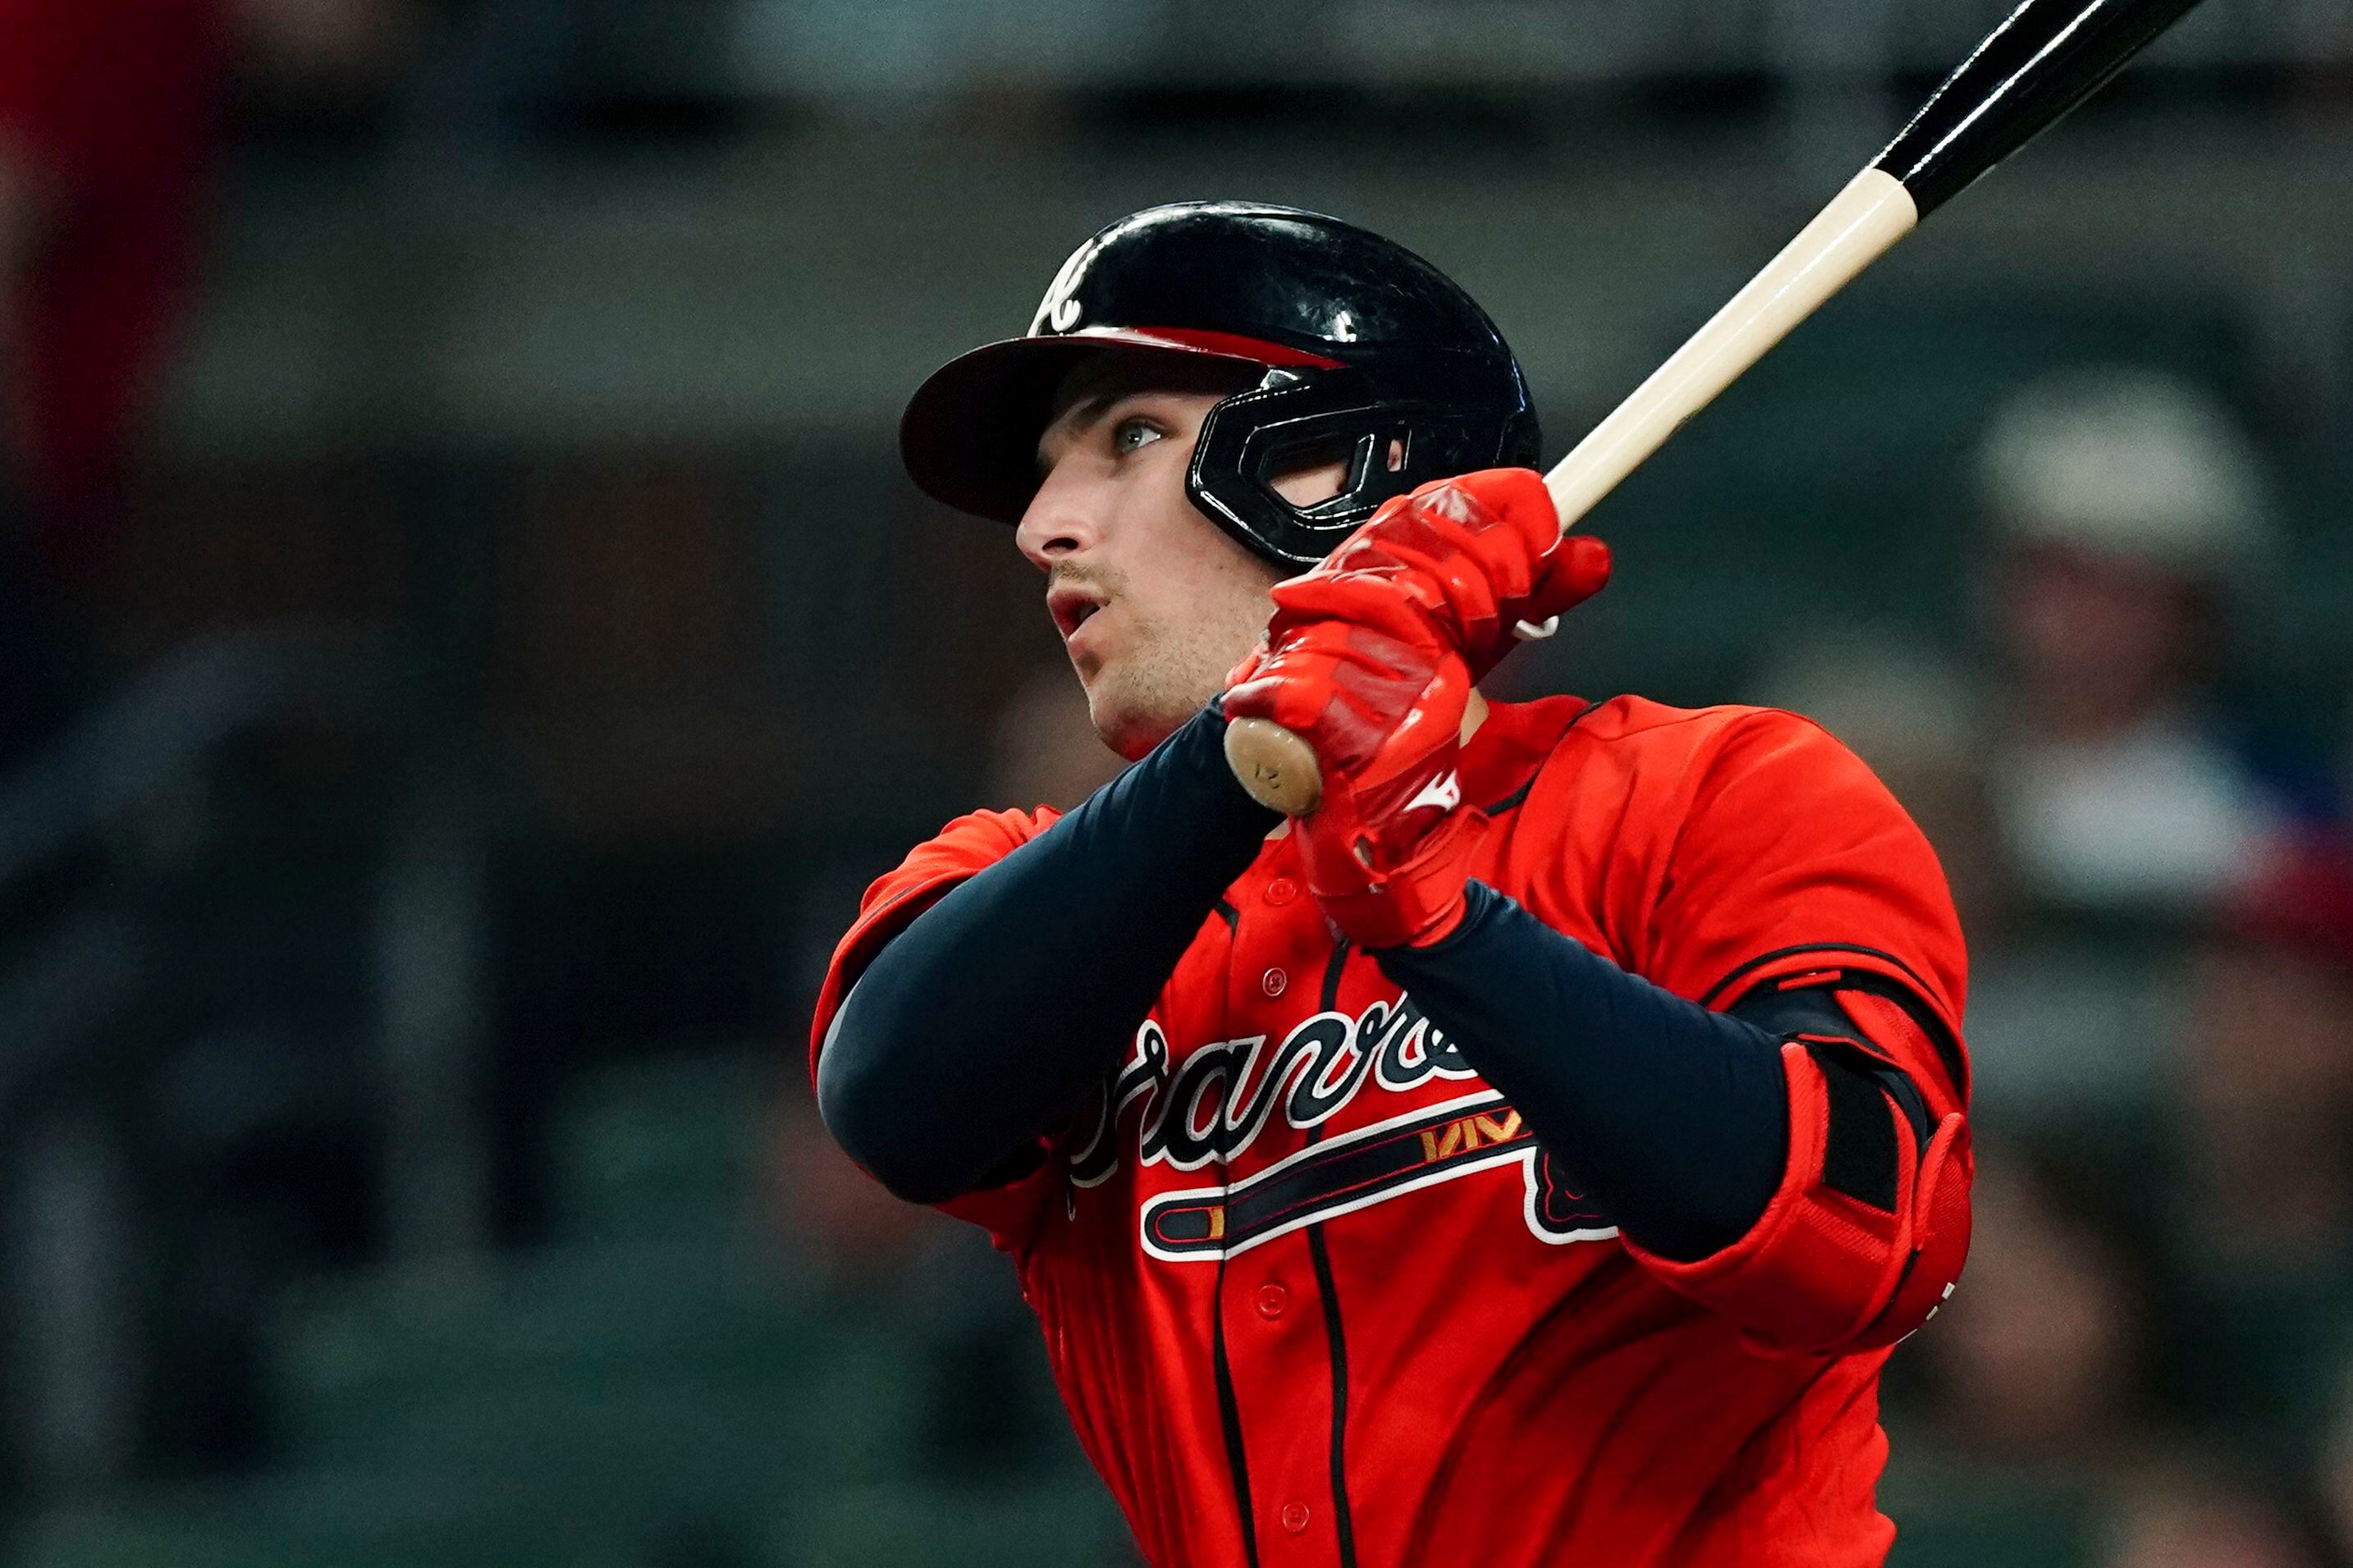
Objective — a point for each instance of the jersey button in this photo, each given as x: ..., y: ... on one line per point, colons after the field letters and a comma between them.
x: 1272, y: 1301
x: 1295, y: 1517
x: 1274, y: 981
x: 1282, y: 890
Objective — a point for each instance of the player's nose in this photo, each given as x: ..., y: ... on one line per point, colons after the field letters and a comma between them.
x: 1063, y: 518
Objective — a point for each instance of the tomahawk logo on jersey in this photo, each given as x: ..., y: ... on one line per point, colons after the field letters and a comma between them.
x: 1312, y: 1290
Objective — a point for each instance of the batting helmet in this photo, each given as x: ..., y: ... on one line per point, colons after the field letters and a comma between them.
x: 1363, y: 344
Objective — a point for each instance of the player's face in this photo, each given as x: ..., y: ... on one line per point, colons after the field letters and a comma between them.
x: 1156, y: 603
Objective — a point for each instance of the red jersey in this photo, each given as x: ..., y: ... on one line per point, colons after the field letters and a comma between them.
x: 110, y: 106
x: 1312, y: 1292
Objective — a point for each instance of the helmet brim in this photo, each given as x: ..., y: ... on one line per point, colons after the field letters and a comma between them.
x: 969, y: 434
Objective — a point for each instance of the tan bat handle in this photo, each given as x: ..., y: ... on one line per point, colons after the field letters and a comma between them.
x: 1854, y: 230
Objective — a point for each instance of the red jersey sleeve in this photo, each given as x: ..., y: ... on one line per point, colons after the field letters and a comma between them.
x: 1792, y: 858
x: 964, y: 847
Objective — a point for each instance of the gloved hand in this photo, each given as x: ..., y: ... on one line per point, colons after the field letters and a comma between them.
x: 1476, y: 555
x: 1370, y: 658
x: 1385, y: 850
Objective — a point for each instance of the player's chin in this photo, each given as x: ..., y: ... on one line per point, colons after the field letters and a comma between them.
x: 1127, y: 722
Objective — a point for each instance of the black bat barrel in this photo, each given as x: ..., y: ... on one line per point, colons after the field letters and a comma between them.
x: 2045, y: 59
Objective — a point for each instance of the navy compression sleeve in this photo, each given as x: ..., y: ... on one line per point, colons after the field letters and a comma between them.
x: 1673, y: 1117
x: 980, y: 1024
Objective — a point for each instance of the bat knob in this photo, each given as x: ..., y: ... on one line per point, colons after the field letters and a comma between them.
x: 1277, y: 768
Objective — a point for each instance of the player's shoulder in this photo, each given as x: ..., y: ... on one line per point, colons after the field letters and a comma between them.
x: 1626, y: 763
x: 968, y: 844
x: 1635, y: 732
x: 1002, y: 830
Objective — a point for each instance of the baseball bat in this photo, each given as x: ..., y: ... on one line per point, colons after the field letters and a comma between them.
x: 2044, y: 59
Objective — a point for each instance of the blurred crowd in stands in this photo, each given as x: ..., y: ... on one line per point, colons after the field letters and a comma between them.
x: 111, y: 119
x: 2154, y: 1327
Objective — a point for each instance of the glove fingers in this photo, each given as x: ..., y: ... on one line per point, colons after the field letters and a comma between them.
x: 1516, y: 500
x: 1473, y: 570
x: 1577, y: 570
x: 1379, y: 602
x: 1346, y: 689
x: 1457, y: 581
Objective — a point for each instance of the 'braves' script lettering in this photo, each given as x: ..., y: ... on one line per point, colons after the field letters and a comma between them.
x: 1215, y: 1104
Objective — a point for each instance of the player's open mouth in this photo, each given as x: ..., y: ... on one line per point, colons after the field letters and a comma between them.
x: 1071, y: 609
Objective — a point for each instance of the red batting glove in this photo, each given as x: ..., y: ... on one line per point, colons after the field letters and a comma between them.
x: 1370, y: 658
x: 1473, y: 556
x: 1387, y: 849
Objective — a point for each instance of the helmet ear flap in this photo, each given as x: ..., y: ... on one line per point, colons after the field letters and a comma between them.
x: 1252, y: 439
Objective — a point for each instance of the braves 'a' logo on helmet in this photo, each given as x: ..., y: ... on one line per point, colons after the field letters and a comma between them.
x: 1060, y: 311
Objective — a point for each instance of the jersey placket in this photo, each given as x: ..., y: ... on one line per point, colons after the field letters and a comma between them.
x: 1276, y: 1321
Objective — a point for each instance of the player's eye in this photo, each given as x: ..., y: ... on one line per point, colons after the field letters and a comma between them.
x: 1133, y: 434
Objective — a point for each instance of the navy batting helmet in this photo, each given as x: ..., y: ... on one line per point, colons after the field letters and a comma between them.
x: 1366, y: 348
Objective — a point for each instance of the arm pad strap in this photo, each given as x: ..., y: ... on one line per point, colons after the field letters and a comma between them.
x: 1866, y: 1236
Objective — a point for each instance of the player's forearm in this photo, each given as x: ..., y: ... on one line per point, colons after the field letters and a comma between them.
x: 1673, y: 1116
x: 982, y: 1024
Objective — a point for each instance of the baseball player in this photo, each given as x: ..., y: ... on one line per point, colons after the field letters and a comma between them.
x: 1526, y: 1157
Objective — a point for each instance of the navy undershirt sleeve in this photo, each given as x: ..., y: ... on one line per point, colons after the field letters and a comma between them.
x: 1673, y: 1116
x: 982, y: 1024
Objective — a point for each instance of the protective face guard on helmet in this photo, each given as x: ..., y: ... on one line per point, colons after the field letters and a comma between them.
x: 1294, y: 420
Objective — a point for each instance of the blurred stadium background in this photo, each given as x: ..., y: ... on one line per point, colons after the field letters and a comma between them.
x: 466, y: 646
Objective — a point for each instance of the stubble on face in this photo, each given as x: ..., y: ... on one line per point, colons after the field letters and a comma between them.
x: 1175, y: 656
x: 1183, y: 602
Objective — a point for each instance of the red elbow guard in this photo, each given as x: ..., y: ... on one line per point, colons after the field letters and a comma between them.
x: 1864, y: 1238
